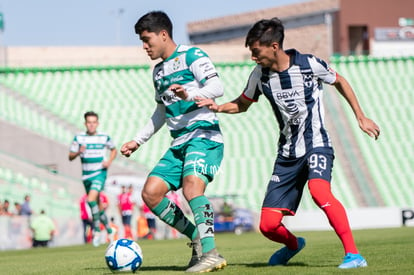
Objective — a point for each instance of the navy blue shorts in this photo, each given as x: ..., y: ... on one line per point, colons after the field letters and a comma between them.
x: 289, y: 177
x: 126, y: 219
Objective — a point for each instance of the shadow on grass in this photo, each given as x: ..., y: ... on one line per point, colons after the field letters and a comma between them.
x: 256, y: 265
x: 160, y: 268
x: 98, y: 270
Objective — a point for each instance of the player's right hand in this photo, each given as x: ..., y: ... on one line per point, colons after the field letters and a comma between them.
x: 206, y: 102
x: 128, y: 148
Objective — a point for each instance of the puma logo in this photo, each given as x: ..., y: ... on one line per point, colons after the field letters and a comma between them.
x: 317, y: 171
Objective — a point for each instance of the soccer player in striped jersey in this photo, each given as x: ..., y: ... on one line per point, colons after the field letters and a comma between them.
x: 197, y: 147
x: 292, y: 82
x: 91, y: 146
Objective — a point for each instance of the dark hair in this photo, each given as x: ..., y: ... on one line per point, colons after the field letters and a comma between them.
x: 154, y: 21
x: 90, y: 113
x: 266, y: 31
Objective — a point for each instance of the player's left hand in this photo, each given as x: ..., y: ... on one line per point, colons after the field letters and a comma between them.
x: 106, y: 164
x: 179, y: 91
x: 370, y: 127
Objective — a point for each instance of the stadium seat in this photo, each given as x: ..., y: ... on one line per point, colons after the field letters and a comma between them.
x: 383, y: 93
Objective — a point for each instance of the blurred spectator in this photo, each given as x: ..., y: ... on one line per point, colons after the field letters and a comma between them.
x: 126, y: 206
x: 6, y: 210
x: 43, y: 229
x: 227, y: 210
x: 26, y: 208
x: 17, y: 208
x: 86, y: 218
x: 142, y: 225
x: 103, y: 201
x: 103, y: 205
x: 151, y: 222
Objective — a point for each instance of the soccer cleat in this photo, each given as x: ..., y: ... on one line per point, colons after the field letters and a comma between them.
x: 96, y: 241
x: 283, y: 255
x: 353, y: 261
x: 210, y: 261
x: 196, y: 252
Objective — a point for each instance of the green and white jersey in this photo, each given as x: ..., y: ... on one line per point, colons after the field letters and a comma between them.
x: 95, y: 153
x: 191, y: 68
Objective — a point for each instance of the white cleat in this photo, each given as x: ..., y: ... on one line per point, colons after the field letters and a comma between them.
x: 96, y: 241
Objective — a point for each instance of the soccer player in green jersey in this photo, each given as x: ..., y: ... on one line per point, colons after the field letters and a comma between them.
x: 91, y: 146
x: 197, y: 147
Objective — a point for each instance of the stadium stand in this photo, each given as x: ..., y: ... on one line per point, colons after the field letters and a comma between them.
x: 56, y: 194
x: 384, y: 86
x: 28, y: 117
x: 123, y: 96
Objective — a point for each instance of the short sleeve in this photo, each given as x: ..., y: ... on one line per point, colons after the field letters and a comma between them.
x: 200, y: 65
x: 253, y: 88
x: 74, y: 146
x: 110, y: 143
x: 322, y: 70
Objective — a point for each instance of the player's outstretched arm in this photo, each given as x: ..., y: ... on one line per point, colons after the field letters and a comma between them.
x: 367, y: 125
x: 213, y: 88
x: 238, y: 105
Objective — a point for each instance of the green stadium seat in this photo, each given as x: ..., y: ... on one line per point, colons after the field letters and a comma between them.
x: 6, y: 174
x: 383, y: 92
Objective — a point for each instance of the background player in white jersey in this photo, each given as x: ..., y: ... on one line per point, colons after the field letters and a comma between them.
x: 292, y: 82
x: 91, y: 146
x: 197, y: 147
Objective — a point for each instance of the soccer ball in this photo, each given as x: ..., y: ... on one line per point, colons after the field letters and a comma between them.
x: 123, y: 255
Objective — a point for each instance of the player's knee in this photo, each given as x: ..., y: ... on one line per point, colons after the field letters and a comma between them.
x: 270, y: 220
x: 151, y: 198
x: 321, y: 193
x: 268, y: 226
x: 320, y: 190
x: 193, y: 187
x: 154, y: 191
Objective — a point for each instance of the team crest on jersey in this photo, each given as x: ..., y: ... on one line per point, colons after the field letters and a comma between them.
x: 307, y: 80
x: 176, y: 64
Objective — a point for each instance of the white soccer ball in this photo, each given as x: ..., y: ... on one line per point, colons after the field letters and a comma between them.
x: 123, y: 255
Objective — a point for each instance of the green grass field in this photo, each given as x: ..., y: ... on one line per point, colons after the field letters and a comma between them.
x: 388, y: 251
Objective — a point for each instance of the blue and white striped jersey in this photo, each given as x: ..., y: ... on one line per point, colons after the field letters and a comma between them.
x: 296, y: 98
